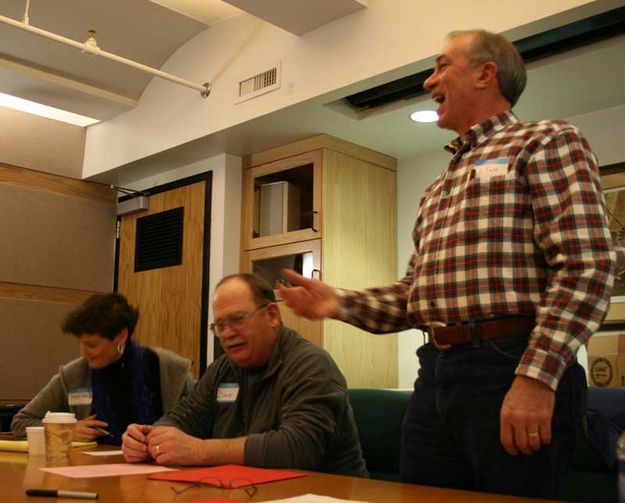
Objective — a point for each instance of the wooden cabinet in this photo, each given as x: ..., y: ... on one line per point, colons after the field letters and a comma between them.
x: 326, y: 208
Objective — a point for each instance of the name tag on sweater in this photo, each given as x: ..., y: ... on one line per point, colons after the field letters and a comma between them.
x: 488, y: 168
x: 227, y: 392
x: 79, y: 396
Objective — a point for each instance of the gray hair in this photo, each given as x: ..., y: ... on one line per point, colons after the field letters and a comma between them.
x: 487, y: 46
x: 261, y: 290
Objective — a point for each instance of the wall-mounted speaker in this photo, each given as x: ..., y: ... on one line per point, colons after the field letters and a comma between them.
x: 279, y: 208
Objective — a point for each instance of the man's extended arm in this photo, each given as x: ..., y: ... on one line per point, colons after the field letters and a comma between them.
x: 376, y: 310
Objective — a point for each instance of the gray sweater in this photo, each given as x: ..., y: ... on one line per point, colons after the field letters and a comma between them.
x: 295, y: 412
x: 175, y: 379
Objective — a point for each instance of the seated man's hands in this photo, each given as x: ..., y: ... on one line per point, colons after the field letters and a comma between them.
x: 85, y: 431
x: 170, y: 446
x: 135, y: 443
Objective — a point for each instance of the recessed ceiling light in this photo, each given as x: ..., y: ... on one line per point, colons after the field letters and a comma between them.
x: 424, y: 116
x: 8, y: 101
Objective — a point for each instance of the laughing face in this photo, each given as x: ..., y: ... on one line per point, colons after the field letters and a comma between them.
x: 247, y: 332
x: 453, y: 86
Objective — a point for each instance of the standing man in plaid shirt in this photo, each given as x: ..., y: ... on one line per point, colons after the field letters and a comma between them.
x: 511, y: 273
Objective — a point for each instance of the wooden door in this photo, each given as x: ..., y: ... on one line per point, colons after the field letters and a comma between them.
x: 172, y: 300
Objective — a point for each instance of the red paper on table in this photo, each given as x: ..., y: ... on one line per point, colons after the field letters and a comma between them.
x: 228, y: 474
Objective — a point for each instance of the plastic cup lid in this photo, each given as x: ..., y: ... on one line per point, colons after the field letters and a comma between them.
x: 59, y: 417
x: 34, y: 428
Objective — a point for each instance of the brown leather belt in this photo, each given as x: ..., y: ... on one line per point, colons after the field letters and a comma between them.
x: 459, y: 334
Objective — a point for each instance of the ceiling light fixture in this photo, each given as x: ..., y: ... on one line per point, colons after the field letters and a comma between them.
x: 91, y: 46
x: 424, y: 116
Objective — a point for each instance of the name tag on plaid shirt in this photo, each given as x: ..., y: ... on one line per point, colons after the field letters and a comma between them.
x: 488, y: 168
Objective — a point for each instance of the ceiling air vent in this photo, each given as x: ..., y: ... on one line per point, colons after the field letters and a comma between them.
x: 260, y: 83
x: 159, y: 240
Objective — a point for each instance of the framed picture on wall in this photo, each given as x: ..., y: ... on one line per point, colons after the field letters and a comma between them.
x: 613, y: 187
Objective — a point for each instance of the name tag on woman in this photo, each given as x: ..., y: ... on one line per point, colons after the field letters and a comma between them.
x: 80, y: 396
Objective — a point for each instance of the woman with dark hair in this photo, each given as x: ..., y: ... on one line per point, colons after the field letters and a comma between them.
x: 115, y: 382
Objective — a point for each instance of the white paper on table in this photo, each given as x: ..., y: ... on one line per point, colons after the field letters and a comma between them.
x: 313, y: 498
x: 103, y: 453
x: 109, y: 470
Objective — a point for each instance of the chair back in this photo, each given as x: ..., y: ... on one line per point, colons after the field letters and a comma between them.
x: 379, y: 414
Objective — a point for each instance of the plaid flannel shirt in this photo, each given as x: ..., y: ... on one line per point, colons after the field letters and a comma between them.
x: 514, y: 226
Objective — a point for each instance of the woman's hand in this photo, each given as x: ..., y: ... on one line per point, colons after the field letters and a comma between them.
x: 85, y: 431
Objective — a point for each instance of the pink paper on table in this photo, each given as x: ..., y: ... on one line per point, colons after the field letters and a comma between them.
x: 215, y: 500
x: 230, y: 474
x: 107, y: 470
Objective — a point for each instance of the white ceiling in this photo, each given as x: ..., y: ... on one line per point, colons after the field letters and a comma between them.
x: 578, y: 82
x: 147, y: 31
x: 48, y: 72
x: 209, y: 12
x: 32, y: 67
x: 297, y: 16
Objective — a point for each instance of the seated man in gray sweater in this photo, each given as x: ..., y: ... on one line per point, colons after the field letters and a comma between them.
x: 273, y: 400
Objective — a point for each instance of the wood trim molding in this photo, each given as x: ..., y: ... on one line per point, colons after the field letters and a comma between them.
x: 38, y: 180
x: 16, y: 291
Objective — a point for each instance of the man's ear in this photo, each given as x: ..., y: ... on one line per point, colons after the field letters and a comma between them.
x: 274, y: 314
x: 487, y: 75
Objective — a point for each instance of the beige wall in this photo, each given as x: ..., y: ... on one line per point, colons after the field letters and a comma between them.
x: 43, y: 144
x: 58, y: 238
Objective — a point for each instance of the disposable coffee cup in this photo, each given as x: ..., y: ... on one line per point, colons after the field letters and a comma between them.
x: 59, y: 430
x: 36, y: 440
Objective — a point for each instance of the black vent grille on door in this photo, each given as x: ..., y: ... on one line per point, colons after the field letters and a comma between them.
x: 159, y: 240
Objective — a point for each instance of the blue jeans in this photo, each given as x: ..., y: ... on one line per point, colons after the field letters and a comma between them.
x: 450, y: 435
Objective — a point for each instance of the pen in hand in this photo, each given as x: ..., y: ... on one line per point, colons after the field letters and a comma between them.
x: 103, y: 431
x: 95, y: 427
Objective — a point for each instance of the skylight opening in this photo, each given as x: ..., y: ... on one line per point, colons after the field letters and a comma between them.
x: 30, y: 107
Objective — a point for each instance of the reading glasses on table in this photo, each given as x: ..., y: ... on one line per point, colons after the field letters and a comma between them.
x: 239, y: 486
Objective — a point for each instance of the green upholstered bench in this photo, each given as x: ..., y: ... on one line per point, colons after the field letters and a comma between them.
x: 593, y: 476
x: 379, y: 414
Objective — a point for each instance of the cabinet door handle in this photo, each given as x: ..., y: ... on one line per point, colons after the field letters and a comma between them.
x: 315, y: 274
x: 315, y: 227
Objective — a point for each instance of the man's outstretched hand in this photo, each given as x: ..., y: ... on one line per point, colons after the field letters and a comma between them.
x: 310, y: 298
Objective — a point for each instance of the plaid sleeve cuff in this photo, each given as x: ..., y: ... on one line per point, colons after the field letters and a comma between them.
x: 542, y: 366
x: 344, y: 296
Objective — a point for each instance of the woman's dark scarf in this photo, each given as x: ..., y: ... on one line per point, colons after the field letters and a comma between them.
x: 144, y: 410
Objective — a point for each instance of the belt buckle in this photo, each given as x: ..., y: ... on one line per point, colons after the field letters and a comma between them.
x: 432, y: 333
